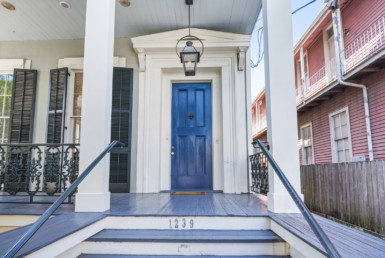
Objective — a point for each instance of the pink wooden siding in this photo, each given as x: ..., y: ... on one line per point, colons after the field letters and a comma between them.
x: 319, y: 116
x: 357, y: 16
x: 376, y: 92
x: 315, y: 54
x: 365, y: 21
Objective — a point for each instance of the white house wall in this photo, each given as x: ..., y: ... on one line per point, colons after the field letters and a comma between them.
x: 45, y: 55
x: 151, y: 120
x: 160, y: 67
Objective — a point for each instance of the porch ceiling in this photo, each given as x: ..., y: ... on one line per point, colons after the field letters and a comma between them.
x: 47, y: 20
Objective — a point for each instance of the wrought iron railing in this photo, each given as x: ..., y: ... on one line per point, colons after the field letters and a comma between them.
x: 48, y: 213
x: 259, y: 170
x: 322, y: 237
x: 33, y: 168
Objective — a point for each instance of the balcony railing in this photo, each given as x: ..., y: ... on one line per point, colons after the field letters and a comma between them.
x: 260, y: 126
x: 33, y: 168
x: 368, y: 43
x: 319, y: 80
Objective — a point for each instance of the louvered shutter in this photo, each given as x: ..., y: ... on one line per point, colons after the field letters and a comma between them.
x: 23, y: 106
x: 57, y: 105
x: 121, y: 129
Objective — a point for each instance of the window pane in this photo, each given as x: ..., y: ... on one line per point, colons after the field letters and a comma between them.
x: 343, y: 118
x: 347, y: 155
x: 1, y: 105
x: 341, y: 156
x: 76, y: 132
x: 337, y: 121
x: 338, y: 133
x: 344, y: 131
x: 1, y: 130
x: 347, y: 145
x: 2, y: 83
x: 10, y: 84
x: 309, y: 155
x: 6, y: 127
x: 78, y: 94
x: 7, y: 107
x: 340, y: 145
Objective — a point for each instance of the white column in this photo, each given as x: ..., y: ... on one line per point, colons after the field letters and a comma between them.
x: 280, y: 102
x: 93, y: 193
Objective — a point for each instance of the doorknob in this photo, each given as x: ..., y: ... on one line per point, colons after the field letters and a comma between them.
x: 172, y: 154
x: 191, y: 116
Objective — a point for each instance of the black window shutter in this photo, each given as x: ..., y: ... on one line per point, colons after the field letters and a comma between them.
x: 57, y: 104
x: 121, y: 129
x: 22, y: 106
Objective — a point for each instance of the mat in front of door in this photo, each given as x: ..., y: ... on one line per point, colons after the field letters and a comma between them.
x: 188, y: 193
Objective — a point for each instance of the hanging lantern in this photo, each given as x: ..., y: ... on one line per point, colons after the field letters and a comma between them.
x: 189, y: 56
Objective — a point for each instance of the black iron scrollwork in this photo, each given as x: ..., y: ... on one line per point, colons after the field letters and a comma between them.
x: 33, y: 168
x: 259, y: 173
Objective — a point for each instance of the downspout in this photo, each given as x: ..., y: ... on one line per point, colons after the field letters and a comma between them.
x: 340, y: 74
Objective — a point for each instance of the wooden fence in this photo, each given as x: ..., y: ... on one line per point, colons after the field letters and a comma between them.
x: 353, y: 192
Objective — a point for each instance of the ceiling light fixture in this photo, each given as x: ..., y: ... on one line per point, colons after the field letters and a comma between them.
x: 64, y: 4
x: 7, y: 5
x: 189, y: 56
x: 125, y: 3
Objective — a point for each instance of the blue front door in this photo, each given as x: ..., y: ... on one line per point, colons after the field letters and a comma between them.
x: 191, y: 165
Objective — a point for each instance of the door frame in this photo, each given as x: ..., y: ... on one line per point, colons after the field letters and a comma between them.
x: 212, y: 141
x: 214, y: 78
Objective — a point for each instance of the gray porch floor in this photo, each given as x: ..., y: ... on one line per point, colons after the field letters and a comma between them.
x: 212, y: 204
x: 159, y: 204
x: 348, y: 241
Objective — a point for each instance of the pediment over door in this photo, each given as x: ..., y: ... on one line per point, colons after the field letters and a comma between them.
x: 212, y: 40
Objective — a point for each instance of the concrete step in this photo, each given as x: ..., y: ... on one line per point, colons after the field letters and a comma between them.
x: 185, y: 242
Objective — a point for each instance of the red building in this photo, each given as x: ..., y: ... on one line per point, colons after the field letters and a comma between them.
x: 333, y: 125
x: 259, y: 117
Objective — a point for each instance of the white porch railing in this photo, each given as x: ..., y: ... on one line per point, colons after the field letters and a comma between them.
x: 319, y: 80
x: 298, y: 95
x: 371, y: 41
x: 260, y: 126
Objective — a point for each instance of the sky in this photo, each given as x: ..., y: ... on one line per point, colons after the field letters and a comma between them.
x: 301, y: 21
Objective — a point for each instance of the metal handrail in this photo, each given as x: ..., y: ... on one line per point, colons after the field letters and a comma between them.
x: 322, y: 237
x: 24, y: 239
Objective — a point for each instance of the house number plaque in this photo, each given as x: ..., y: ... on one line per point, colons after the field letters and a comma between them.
x: 182, y: 223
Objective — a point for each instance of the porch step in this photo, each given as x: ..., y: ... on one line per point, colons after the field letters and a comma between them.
x: 189, y: 222
x: 185, y: 242
x: 173, y: 256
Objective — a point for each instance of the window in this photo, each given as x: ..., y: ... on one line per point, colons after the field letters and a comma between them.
x: 307, y: 144
x: 330, y: 55
x: 299, y: 74
x: 77, y: 108
x: 299, y: 78
x: 306, y: 68
x: 340, y: 136
x: 260, y: 113
x: 6, y: 83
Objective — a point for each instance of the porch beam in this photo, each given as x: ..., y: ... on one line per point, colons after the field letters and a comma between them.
x: 93, y: 194
x: 280, y: 102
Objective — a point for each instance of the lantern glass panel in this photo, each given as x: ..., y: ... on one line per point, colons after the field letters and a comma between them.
x: 189, y: 63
